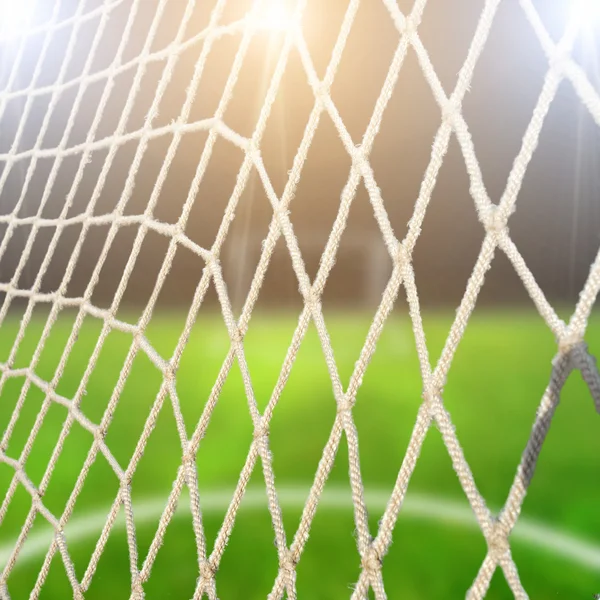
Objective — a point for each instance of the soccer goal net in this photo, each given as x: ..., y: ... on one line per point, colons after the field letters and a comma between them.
x: 88, y: 89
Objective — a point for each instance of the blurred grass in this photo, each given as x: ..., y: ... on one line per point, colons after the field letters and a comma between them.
x: 496, y: 381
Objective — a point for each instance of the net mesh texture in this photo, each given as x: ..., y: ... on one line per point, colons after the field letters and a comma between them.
x: 372, y: 546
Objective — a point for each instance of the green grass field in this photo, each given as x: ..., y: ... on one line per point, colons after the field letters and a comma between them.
x: 498, y: 376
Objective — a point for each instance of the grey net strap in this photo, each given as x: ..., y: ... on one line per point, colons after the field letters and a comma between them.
x: 371, y: 545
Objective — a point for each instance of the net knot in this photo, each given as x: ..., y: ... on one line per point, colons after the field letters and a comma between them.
x: 358, y: 158
x: 409, y: 27
x: 430, y: 395
x: 253, y: 150
x: 188, y: 459
x: 137, y: 591
x: 177, y: 124
x: 288, y: 564
x: 235, y: 335
x: 400, y: 256
x: 494, y: 222
x: 450, y: 113
x: 371, y: 561
x: 560, y: 60
x: 321, y: 91
x: 169, y: 374
x: 498, y: 541
x: 211, y: 259
x: 344, y: 406
x: 261, y: 431
x: 207, y: 570
x: 312, y: 298
x: 100, y: 434
x: 569, y: 343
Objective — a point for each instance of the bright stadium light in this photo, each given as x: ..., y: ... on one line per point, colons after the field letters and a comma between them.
x: 15, y: 17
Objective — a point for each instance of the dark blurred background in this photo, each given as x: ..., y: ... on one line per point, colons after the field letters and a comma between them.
x: 556, y: 225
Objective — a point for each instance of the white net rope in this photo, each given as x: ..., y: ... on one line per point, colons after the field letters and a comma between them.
x: 372, y: 545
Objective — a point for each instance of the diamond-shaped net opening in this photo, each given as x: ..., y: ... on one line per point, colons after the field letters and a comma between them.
x: 120, y: 119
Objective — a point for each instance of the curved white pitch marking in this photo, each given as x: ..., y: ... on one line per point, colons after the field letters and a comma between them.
x: 417, y: 506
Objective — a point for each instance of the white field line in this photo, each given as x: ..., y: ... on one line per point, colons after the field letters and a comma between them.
x: 417, y: 506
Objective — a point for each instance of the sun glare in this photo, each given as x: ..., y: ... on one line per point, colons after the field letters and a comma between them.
x: 587, y: 11
x: 275, y: 15
x: 15, y: 17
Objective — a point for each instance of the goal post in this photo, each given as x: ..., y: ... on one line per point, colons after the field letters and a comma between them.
x: 88, y: 87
